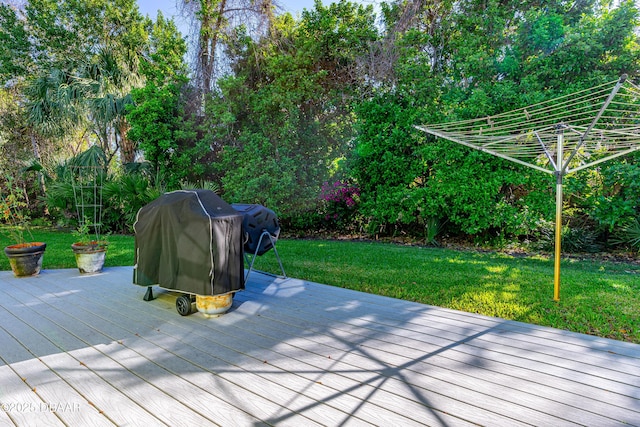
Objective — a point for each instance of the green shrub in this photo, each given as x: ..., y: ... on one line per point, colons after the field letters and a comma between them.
x: 124, y: 196
x: 575, y: 238
x: 629, y: 235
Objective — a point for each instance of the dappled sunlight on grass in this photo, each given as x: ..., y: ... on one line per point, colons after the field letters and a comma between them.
x: 621, y: 286
x: 498, y: 269
x: 492, y: 303
x: 466, y: 261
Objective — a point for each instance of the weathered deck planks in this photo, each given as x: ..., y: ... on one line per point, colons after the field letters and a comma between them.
x: 87, y: 350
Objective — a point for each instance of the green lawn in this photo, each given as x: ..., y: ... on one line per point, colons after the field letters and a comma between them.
x: 59, y: 254
x: 598, y: 298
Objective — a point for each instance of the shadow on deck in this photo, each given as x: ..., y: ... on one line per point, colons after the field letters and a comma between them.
x: 87, y: 350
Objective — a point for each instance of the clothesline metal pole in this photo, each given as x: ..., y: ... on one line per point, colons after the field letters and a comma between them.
x: 559, y: 173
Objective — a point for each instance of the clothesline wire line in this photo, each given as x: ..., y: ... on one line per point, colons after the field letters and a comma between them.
x: 596, y: 123
x: 575, y: 110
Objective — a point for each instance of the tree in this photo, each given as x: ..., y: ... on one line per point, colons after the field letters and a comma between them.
x: 77, y: 61
x: 213, y: 21
x: 15, y: 141
x: 467, y: 60
x: 14, y: 45
x: 285, y: 118
x: 163, y: 121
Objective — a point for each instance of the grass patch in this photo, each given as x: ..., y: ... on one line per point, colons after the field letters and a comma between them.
x: 597, y: 298
x: 59, y: 254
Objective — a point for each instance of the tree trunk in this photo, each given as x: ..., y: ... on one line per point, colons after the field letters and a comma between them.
x: 41, y: 182
x: 127, y: 146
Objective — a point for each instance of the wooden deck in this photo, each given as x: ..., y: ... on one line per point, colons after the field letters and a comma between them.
x: 88, y: 351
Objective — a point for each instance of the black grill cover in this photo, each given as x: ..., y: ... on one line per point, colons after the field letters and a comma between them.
x: 190, y: 241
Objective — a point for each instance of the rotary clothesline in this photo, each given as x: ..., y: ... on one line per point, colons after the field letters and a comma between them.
x: 598, y: 123
x: 559, y: 136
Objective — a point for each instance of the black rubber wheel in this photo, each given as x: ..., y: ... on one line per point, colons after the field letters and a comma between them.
x: 183, y: 305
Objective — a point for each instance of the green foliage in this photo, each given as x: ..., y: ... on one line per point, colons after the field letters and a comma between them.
x: 629, y: 234
x: 614, y: 194
x: 83, y: 61
x: 162, y: 125
x: 85, y: 236
x: 474, y: 60
x: 433, y: 227
x: 203, y: 184
x: 16, y: 140
x: 280, y: 122
x: 580, y: 239
x: 124, y: 196
x: 406, y: 179
x: 60, y: 200
x: 576, y: 238
x: 267, y: 177
x: 14, y: 211
x: 14, y: 45
x: 155, y: 120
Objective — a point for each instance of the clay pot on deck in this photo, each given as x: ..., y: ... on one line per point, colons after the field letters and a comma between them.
x: 90, y: 256
x: 25, y: 258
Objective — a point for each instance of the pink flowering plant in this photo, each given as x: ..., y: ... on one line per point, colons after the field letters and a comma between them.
x: 340, y: 200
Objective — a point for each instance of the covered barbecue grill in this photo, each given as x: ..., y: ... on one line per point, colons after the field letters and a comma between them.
x: 189, y: 241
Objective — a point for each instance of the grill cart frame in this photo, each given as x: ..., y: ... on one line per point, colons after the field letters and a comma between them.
x: 261, y: 229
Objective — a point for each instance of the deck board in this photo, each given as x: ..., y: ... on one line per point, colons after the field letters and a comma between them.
x: 73, y: 410
x: 20, y: 403
x: 429, y: 368
x: 430, y: 376
x: 89, y: 350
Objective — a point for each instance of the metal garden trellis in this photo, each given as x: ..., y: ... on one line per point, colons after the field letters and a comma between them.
x: 88, y: 171
x: 559, y: 136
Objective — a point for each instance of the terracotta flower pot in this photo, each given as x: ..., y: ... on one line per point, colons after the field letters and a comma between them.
x: 25, y: 258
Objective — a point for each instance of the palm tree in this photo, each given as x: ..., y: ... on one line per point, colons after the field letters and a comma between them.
x: 94, y: 98
x: 109, y: 83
